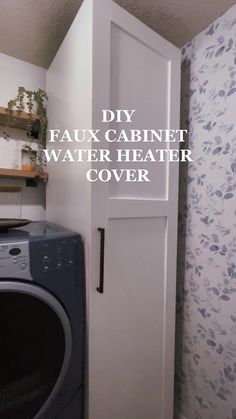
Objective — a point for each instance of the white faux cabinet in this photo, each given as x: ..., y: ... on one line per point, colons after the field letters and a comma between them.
x: 110, y: 60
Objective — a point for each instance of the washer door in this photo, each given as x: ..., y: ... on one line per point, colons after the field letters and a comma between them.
x: 35, y: 349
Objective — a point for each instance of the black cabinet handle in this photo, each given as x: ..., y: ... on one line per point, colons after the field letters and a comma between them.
x: 100, y: 289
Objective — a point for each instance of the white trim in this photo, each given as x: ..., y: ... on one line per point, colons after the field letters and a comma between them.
x: 132, y: 208
x: 179, y: 415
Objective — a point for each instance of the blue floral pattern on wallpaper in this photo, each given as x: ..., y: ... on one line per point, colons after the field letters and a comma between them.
x: 206, y: 294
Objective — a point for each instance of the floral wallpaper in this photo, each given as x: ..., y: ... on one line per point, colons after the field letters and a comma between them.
x: 206, y: 294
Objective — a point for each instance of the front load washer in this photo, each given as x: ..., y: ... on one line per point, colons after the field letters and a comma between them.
x: 42, y: 323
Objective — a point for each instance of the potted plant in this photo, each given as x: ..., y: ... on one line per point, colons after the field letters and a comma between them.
x: 33, y: 103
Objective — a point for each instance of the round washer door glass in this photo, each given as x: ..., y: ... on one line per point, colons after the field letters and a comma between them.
x: 34, y: 342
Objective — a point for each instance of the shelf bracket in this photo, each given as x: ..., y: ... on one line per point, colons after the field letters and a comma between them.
x: 31, y: 182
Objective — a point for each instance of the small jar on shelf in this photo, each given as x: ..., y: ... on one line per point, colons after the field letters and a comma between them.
x: 28, y: 160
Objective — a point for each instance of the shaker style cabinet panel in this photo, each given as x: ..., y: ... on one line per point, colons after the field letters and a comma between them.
x: 131, y: 323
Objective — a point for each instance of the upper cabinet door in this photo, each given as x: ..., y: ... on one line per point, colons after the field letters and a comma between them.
x: 132, y: 324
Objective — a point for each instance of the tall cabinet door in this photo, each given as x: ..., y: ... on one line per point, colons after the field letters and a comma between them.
x: 132, y: 323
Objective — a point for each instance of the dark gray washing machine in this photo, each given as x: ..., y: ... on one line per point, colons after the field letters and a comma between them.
x: 42, y: 323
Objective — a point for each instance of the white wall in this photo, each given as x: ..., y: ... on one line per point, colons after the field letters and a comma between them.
x: 15, y: 73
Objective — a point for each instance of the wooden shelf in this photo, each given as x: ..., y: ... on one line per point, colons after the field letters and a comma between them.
x: 12, y: 173
x: 10, y: 188
x: 19, y: 120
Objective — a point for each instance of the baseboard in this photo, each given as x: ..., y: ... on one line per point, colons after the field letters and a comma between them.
x: 179, y: 415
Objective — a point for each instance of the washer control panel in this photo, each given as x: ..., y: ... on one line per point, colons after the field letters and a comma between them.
x: 54, y: 255
x: 15, y: 260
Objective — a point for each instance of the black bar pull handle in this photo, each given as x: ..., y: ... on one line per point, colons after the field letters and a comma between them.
x: 100, y: 289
